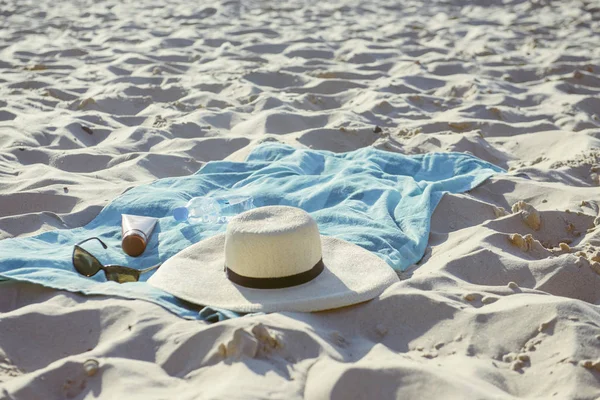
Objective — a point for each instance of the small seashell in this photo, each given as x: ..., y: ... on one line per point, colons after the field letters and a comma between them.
x: 86, y: 102
x: 459, y: 126
x: 470, y: 296
x: 513, y: 285
x: 91, y: 367
x: 266, y: 337
x: 564, y: 247
x: 222, y: 350
x: 36, y: 67
x: 243, y: 344
x: 531, y: 216
x: 489, y: 299
x: 524, y: 243
x: 517, y: 365
x: 500, y: 212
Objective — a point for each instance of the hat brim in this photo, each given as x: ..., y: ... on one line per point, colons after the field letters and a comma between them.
x: 351, y: 275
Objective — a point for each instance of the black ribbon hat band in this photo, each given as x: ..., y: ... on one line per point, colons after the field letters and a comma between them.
x: 276, y: 283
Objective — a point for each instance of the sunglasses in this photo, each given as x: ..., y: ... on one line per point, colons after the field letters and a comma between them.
x: 88, y: 265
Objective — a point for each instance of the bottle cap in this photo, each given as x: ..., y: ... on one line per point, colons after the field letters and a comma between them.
x: 181, y: 213
x: 134, y: 242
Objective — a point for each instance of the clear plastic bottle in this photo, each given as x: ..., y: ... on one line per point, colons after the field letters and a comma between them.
x: 213, y: 210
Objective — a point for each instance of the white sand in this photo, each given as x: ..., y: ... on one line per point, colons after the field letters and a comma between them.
x: 100, y: 96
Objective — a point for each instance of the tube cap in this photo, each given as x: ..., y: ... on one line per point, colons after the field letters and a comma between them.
x: 181, y: 214
x: 133, y: 243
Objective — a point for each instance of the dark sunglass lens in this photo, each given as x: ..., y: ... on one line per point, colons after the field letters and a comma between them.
x: 121, y: 274
x: 85, y: 263
x: 122, y: 278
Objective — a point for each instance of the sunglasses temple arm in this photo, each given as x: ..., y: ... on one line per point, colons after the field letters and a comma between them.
x: 150, y: 268
x: 92, y: 238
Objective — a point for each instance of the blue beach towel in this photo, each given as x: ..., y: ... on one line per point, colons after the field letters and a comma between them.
x: 379, y: 200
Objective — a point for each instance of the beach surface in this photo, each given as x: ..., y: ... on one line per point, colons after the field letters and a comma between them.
x: 97, y: 97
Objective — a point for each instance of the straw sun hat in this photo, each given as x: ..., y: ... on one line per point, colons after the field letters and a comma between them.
x: 274, y: 259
